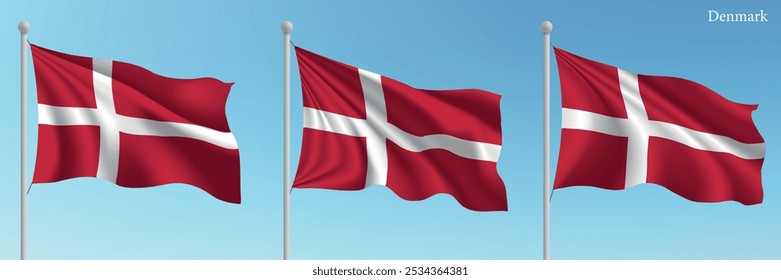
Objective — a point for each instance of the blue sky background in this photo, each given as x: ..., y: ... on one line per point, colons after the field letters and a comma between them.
x: 494, y: 45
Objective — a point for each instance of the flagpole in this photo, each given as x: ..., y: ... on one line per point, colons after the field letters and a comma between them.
x: 547, y: 27
x: 286, y: 28
x: 24, y: 27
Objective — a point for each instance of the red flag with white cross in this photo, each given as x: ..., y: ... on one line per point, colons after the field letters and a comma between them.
x: 363, y: 129
x: 621, y: 129
x: 126, y: 125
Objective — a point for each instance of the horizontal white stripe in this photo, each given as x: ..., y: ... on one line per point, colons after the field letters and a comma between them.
x: 54, y: 115
x: 707, y: 141
x: 584, y: 120
x: 173, y: 129
x: 326, y: 121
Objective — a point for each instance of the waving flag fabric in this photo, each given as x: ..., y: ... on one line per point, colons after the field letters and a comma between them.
x: 621, y: 129
x: 363, y: 129
x: 126, y: 125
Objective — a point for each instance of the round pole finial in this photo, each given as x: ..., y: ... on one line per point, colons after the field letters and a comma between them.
x: 546, y: 27
x: 24, y: 27
x: 287, y: 27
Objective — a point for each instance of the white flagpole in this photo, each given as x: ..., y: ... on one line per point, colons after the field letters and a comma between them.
x: 547, y: 26
x: 24, y: 27
x: 286, y: 28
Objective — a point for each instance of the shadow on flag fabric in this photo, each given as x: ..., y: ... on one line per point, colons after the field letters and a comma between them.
x: 363, y: 129
x: 621, y: 129
x: 126, y: 125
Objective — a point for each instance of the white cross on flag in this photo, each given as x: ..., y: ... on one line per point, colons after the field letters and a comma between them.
x: 621, y: 129
x: 363, y: 129
x: 126, y: 125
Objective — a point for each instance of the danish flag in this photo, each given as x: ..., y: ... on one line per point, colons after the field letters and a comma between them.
x: 126, y: 125
x: 363, y: 129
x: 621, y: 129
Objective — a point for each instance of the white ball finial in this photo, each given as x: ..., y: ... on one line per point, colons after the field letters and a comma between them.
x: 287, y: 27
x: 547, y: 27
x: 24, y: 27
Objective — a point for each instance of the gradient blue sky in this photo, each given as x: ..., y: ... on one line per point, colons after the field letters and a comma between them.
x: 492, y: 45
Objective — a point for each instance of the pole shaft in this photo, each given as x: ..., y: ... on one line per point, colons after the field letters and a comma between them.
x: 546, y: 147
x: 23, y: 149
x: 286, y: 161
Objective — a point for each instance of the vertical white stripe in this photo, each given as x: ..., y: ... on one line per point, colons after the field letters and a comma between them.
x: 377, y: 119
x: 637, y: 152
x: 108, y: 160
